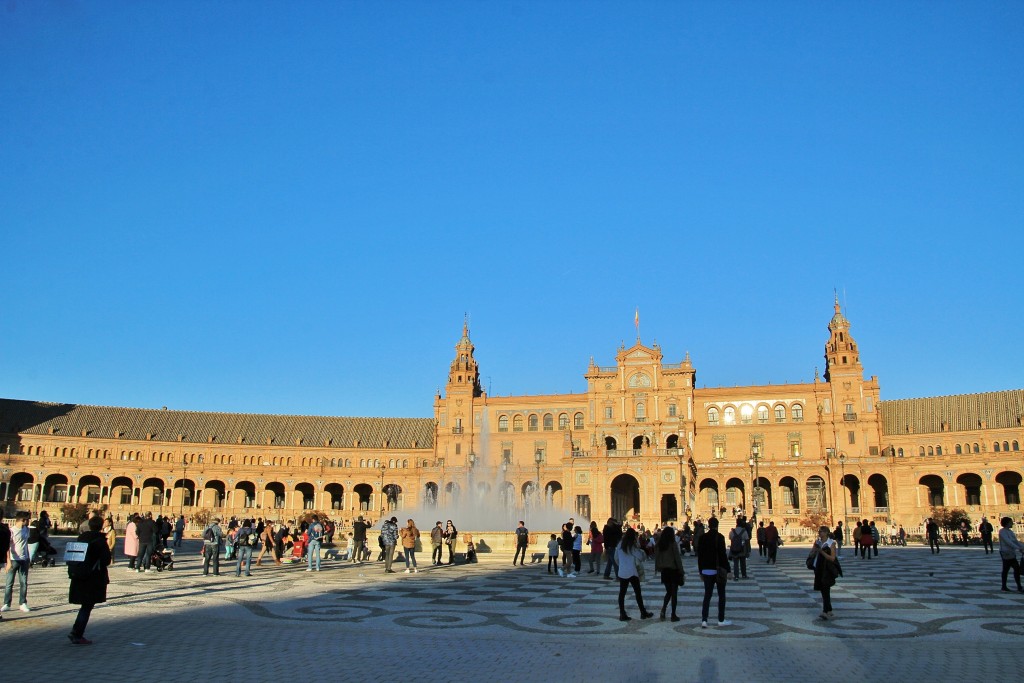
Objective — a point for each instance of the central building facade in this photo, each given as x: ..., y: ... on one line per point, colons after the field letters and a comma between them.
x: 642, y: 443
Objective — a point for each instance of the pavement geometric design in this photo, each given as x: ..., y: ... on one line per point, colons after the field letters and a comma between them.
x: 906, y: 612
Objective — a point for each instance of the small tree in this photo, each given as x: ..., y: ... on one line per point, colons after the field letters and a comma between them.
x: 949, y: 519
x: 73, y: 514
x: 815, y: 519
x: 202, y: 516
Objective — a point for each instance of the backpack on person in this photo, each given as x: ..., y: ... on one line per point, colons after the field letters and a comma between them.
x: 80, y: 569
x: 738, y: 542
x: 208, y: 535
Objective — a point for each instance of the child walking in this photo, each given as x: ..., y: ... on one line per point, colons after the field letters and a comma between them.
x: 552, y: 554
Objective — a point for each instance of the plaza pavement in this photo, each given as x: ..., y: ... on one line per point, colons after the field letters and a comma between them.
x: 904, y: 614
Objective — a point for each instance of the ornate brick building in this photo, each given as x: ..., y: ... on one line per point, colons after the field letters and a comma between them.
x: 642, y: 442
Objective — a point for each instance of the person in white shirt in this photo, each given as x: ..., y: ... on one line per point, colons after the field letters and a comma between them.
x: 18, y: 561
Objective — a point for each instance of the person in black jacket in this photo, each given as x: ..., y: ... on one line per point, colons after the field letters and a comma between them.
x: 90, y: 589
x: 713, y: 564
x: 612, y: 536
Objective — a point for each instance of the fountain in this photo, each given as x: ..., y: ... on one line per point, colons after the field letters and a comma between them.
x: 482, y: 503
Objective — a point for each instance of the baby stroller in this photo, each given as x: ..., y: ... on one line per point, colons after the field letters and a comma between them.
x: 162, y: 559
x: 45, y: 554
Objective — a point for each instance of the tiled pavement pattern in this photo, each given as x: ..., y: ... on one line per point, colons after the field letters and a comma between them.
x: 906, y: 612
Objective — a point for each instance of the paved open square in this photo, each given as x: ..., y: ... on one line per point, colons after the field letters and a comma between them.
x: 904, y: 613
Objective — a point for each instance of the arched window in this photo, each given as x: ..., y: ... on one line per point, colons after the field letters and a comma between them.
x: 1016, y: 447
x: 713, y: 416
x: 798, y: 413
x: 563, y: 421
x: 762, y: 414
x: 503, y: 423
x: 959, y: 450
x: 1006, y: 446
x: 931, y: 451
x: 995, y: 446
x: 730, y: 416
x: 899, y: 453
x: 549, y: 422
x: 920, y: 450
x: 746, y: 414
x: 577, y: 421
x: 938, y: 450
x: 533, y: 423
x: 517, y: 423
x: 780, y: 413
x: 641, y: 411
x: 976, y: 449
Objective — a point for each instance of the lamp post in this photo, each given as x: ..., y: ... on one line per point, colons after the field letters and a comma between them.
x: 5, y: 485
x: 472, y: 485
x: 680, y: 452
x: 538, y: 457
x: 383, y: 469
x: 184, y: 484
x: 755, y: 457
x: 842, y: 485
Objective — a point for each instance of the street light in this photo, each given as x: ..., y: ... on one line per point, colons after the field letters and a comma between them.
x: 383, y: 469
x: 680, y: 452
x: 842, y: 484
x: 538, y: 458
x: 755, y: 457
x: 184, y: 484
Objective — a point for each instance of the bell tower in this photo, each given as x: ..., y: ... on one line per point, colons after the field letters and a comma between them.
x: 464, y: 374
x: 841, y: 355
x: 458, y: 412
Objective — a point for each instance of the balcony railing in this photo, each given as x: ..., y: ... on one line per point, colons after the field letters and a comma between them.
x: 456, y: 430
x: 850, y: 417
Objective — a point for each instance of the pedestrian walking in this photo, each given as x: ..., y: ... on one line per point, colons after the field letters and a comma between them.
x: 1009, y: 546
x: 713, y: 564
x: 595, y: 540
x: 89, y: 580
x: 669, y: 562
x: 410, y: 537
x: 630, y: 560
x: 826, y: 569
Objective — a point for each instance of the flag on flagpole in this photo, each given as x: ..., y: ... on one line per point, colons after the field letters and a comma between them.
x: 636, y: 318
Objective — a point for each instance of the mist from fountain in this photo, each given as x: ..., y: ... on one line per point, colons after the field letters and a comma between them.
x: 481, y: 498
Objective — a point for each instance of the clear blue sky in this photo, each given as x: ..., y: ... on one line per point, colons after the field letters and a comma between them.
x: 289, y: 207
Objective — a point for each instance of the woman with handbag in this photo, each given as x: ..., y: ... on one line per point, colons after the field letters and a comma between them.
x: 669, y: 562
x: 713, y: 564
x: 630, y: 560
x: 410, y: 537
x: 826, y: 569
x: 451, y: 538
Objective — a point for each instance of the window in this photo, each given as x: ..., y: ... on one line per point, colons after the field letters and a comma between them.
x: 577, y: 421
x: 976, y: 450
x: 780, y: 413
x: 746, y: 414
x: 503, y: 423
x: 1006, y: 446
x: 1015, y: 446
x: 563, y: 422
x: 533, y: 422
x: 730, y: 416
x: 794, y: 449
x: 719, y: 451
x: 938, y: 450
x: 959, y: 450
x: 762, y: 414
x: 671, y: 409
x: 995, y: 446
x: 920, y: 450
x: 852, y: 437
x: 549, y: 422
x: 641, y: 412
x: 713, y: 416
x: 607, y: 412
x: 798, y: 413
x: 517, y: 423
